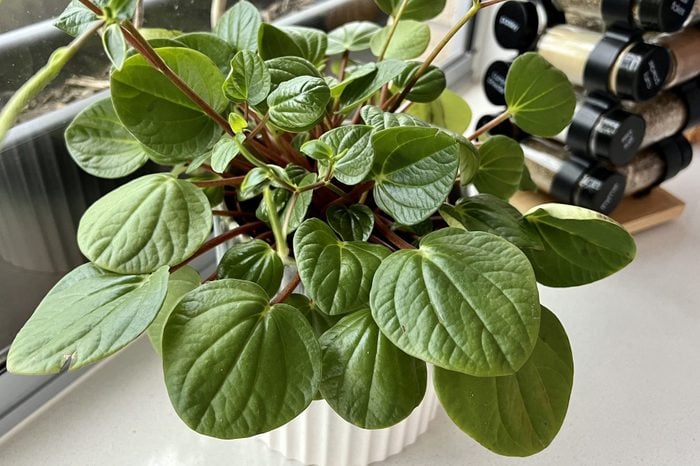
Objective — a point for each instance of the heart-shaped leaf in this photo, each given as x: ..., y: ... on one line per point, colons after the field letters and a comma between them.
x: 114, y: 44
x: 249, y: 80
x: 100, y: 144
x: 353, y: 144
x: 319, y: 321
x: 500, y: 167
x: 367, y: 380
x: 254, y: 261
x: 296, y: 41
x: 158, y: 114
x: 336, y: 275
x: 420, y: 10
x: 217, y: 49
x: 89, y: 315
x: 414, y: 170
x: 236, y: 366
x: 239, y: 26
x: 353, y: 36
x: 449, y: 111
x: 428, y: 87
x: 225, y: 151
x: 519, y: 414
x: 287, y: 68
x: 465, y: 301
x: 468, y: 160
x: 542, y: 106
x: 410, y: 40
x: 580, y: 246
x: 379, y: 119
x: 298, y: 104
x: 75, y: 19
x: 354, y: 223
x: 311, y: 42
x: 365, y: 87
x: 150, y: 222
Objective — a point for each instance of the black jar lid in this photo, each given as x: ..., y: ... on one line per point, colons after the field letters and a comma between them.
x: 641, y: 71
x: 654, y: 15
x: 592, y: 186
x: 676, y: 152
x: 517, y: 25
x: 689, y: 92
x: 495, y: 82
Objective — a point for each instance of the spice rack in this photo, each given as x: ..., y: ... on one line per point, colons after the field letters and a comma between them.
x: 636, y: 67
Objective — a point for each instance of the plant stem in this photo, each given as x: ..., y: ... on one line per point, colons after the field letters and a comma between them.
x: 233, y: 181
x: 16, y: 105
x: 287, y: 290
x: 218, y: 8
x: 232, y: 213
x: 490, y: 125
x: 392, y: 31
x: 343, y: 65
x: 389, y: 234
x: 259, y: 127
x: 275, y: 226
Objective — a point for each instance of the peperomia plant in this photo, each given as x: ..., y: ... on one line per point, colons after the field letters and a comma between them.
x: 360, y: 255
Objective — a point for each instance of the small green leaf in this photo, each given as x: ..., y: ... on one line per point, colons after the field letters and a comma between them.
x: 365, y: 87
x: 352, y: 147
x: 120, y: 9
x: 414, y: 170
x: 465, y: 301
x: 236, y: 366
x: 354, y: 223
x: 253, y: 184
x: 493, y: 215
x: 217, y: 49
x: 150, y: 222
x: 254, y: 261
x: 181, y: 282
x: 336, y: 275
x: 580, y: 246
x: 519, y: 414
x: 249, y: 80
x: 225, y: 151
x: 298, y: 104
x: 237, y: 123
x: 300, y: 207
x: 500, y: 167
x: 317, y: 150
x: 410, y: 40
x: 353, y: 36
x: 319, y: 321
x: 114, y: 45
x: 541, y: 106
x: 75, y: 19
x: 239, y: 26
x: 158, y: 114
x: 379, y: 119
x: 100, y: 144
x: 420, y: 10
x: 468, y: 160
x: 89, y: 315
x: 449, y: 111
x: 428, y: 87
x: 367, y: 380
x: 287, y: 68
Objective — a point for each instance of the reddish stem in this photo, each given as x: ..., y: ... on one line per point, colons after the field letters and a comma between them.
x: 287, y: 290
x: 389, y: 234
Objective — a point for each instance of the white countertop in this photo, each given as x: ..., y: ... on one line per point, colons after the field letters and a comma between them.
x: 636, y: 397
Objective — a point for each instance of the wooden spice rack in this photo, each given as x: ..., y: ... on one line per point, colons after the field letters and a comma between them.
x: 634, y: 213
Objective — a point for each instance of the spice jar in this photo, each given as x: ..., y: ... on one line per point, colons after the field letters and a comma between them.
x: 568, y: 179
x: 656, y: 164
x: 518, y: 24
x: 647, y: 15
x: 616, y: 62
x: 684, y: 48
x: 494, y: 82
x: 670, y: 112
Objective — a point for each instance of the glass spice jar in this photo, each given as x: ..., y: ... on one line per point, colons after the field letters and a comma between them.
x: 518, y: 24
x: 684, y: 48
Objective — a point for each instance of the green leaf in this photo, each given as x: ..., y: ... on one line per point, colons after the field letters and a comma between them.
x: 249, y: 80
x: 236, y: 366
x: 379, y: 119
x: 253, y: 184
x: 225, y: 151
x: 319, y: 321
x: 428, y: 87
x: 500, y: 167
x: 114, y: 45
x: 237, y: 123
x: 493, y: 215
x: 158, y: 114
x: 414, y: 170
x: 217, y: 49
x: 300, y: 207
x: 295, y: 41
x: 449, y: 111
x: 254, y: 261
x: 239, y: 26
x: 287, y: 68
x: 365, y: 87
x: 298, y: 104
x: 336, y: 275
x: 100, y: 144
x: 317, y: 150
x: 89, y: 315
x: 354, y: 223
x: 352, y: 147
x: 420, y: 10
x: 410, y: 40
x: 215, y: 194
x: 119, y: 9
x: 542, y: 106
x: 367, y: 380
x: 519, y: 414
x: 580, y: 246
x: 150, y: 222
x: 353, y: 36
x: 311, y: 42
x: 181, y: 282
x: 468, y: 160
x: 75, y: 19
x: 465, y: 301
x: 526, y: 183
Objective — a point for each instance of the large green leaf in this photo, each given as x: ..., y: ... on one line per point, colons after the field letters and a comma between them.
x: 296, y: 41
x: 353, y: 144
x: 367, y: 380
x: 541, y: 106
x: 100, y: 144
x: 287, y: 68
x: 428, y: 87
x: 354, y: 36
x: 337, y: 275
x: 354, y: 223
x: 365, y: 87
x: 311, y: 42
x: 493, y: 215
x: 254, y: 261
x: 410, y: 40
x: 414, y: 170
x: 298, y: 104
x: 75, y: 19
x: 379, y: 119
x: 181, y: 282
x: 519, y: 414
x: 465, y: 301
x: 500, y: 167
x: 152, y: 221
x: 239, y: 26
x: 449, y: 111
x: 158, y: 114
x: 249, y: 79
x: 319, y: 321
x: 580, y: 246
x: 236, y: 366
x: 89, y: 315
x: 419, y: 10
x: 217, y: 49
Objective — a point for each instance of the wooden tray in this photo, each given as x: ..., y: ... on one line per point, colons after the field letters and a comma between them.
x: 635, y: 214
